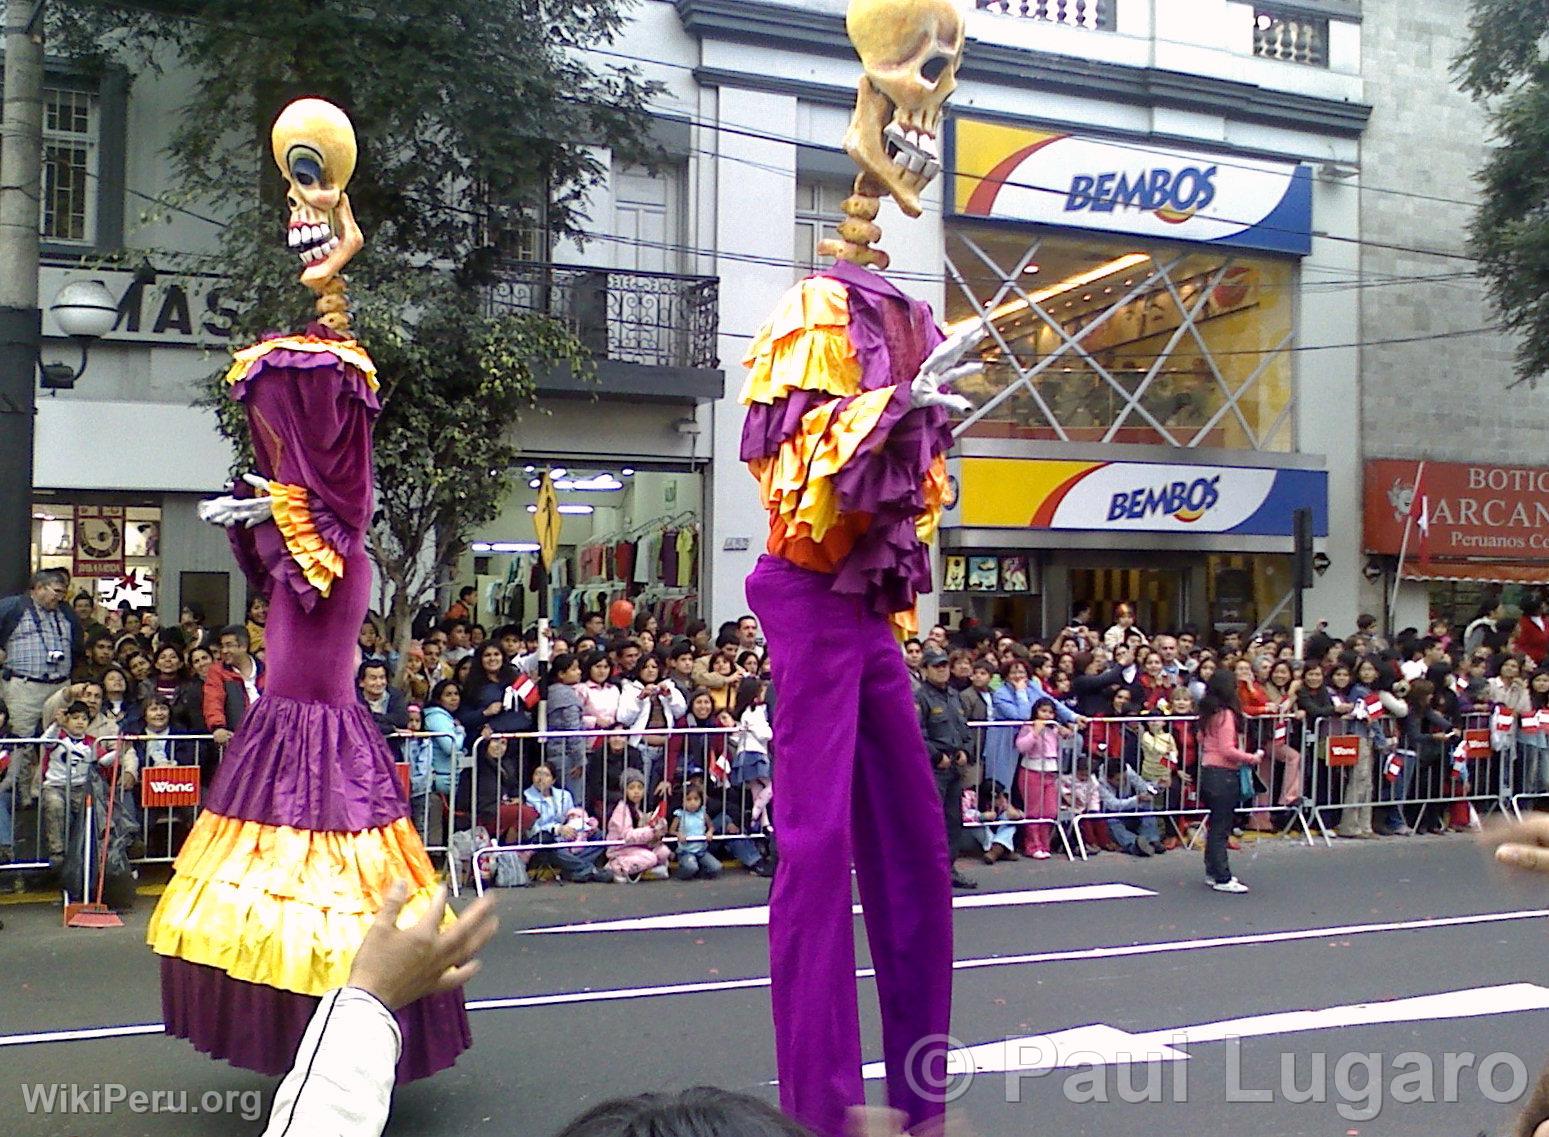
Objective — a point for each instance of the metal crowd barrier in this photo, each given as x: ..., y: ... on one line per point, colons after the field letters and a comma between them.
x: 1107, y: 738
x: 18, y: 794
x: 1362, y: 769
x: 730, y: 791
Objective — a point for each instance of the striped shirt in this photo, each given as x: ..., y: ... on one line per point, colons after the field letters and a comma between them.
x: 39, y: 635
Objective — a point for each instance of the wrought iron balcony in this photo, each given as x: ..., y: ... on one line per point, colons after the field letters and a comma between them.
x: 1096, y: 14
x: 651, y: 319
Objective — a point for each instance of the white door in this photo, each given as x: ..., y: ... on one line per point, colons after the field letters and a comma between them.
x: 647, y: 311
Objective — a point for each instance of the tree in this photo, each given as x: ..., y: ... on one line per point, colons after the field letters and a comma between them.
x: 1504, y: 68
x: 479, y: 123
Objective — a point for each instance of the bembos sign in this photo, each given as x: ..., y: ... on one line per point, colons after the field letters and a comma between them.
x: 1017, y: 173
x: 1475, y: 510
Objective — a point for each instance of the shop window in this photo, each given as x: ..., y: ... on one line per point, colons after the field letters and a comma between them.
x: 817, y: 215
x: 112, y: 551
x: 1124, y: 341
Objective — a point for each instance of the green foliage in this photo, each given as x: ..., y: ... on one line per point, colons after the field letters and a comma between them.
x: 1504, y: 68
x: 476, y: 121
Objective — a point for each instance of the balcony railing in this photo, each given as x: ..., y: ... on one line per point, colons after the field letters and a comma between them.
x: 1290, y: 36
x: 655, y: 319
x: 1095, y: 14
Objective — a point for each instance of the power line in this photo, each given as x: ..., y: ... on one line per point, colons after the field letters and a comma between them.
x: 1128, y: 144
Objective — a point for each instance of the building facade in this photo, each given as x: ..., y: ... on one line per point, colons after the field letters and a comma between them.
x: 1154, y: 202
x: 1448, y: 399
x: 1168, y: 208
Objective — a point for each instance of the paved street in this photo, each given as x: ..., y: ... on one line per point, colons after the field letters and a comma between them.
x: 1139, y: 951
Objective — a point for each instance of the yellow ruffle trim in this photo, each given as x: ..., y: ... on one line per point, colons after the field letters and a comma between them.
x: 321, y: 564
x: 285, y: 907
x: 805, y: 346
x: 348, y: 351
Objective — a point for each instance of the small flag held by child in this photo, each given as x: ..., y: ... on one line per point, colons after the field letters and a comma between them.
x: 523, y: 692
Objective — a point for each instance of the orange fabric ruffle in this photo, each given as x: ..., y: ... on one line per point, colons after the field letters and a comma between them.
x: 321, y: 564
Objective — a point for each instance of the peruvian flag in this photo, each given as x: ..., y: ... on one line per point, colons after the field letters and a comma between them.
x: 1420, y: 514
x: 1282, y: 731
x: 1460, y: 684
x: 1501, y: 722
x: 1460, y: 762
x: 522, y: 692
x: 720, y: 769
x: 1394, y: 769
x: 1532, y: 723
x: 1543, y: 720
x: 659, y: 814
x: 1369, y: 708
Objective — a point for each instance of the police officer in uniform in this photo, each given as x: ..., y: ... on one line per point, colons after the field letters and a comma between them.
x: 948, y: 740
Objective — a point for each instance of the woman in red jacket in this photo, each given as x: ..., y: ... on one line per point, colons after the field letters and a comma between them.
x: 1220, y: 718
x: 1532, y: 635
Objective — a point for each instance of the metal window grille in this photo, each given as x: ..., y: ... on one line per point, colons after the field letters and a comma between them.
x: 70, y: 140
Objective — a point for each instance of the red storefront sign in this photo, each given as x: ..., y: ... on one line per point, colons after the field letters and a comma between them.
x: 163, y: 786
x: 1344, y: 750
x: 1477, y: 511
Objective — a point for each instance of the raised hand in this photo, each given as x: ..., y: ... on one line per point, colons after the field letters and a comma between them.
x: 228, y: 510
x: 944, y: 367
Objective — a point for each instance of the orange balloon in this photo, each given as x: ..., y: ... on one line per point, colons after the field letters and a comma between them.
x: 621, y: 614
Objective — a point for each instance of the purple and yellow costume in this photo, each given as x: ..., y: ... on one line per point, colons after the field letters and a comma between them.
x: 306, y: 826
x: 854, y: 480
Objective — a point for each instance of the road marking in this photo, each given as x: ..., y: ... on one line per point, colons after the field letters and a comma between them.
x: 1101, y: 1045
x: 619, y: 994
x: 757, y: 916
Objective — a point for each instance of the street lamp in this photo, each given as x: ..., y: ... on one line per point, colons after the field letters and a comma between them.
x: 85, y: 311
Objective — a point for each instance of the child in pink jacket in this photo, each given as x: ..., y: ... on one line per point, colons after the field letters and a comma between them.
x: 1038, y: 743
x: 643, y: 850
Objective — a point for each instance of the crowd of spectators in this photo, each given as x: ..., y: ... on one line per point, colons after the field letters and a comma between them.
x: 659, y: 752
x: 1362, y: 735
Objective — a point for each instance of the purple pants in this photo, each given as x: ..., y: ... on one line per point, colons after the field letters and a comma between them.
x: 853, y: 784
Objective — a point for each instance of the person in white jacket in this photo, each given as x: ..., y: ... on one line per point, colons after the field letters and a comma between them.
x: 648, y: 707
x: 341, y: 1084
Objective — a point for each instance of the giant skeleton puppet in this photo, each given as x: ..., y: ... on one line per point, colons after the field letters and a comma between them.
x: 847, y: 432
x: 306, y: 826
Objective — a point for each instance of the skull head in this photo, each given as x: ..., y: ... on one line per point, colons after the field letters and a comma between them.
x: 911, y: 50
x: 314, y: 146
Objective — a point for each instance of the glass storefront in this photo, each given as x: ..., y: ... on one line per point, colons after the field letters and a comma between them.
x: 1034, y: 593
x: 627, y: 533
x: 1101, y: 339
x: 111, y: 549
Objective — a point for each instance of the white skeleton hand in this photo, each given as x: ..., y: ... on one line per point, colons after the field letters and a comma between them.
x: 249, y: 511
x: 944, y: 368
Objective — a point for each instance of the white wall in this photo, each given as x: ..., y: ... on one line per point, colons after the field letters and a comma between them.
x: 755, y: 218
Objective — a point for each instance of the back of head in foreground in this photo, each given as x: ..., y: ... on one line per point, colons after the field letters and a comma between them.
x: 702, y: 1111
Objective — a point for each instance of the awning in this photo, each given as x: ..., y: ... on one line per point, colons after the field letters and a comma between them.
x: 1485, y: 572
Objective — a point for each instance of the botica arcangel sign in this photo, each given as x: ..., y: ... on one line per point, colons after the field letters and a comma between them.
x: 1015, y: 173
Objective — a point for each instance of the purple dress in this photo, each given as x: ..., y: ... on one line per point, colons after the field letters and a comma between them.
x: 306, y: 825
